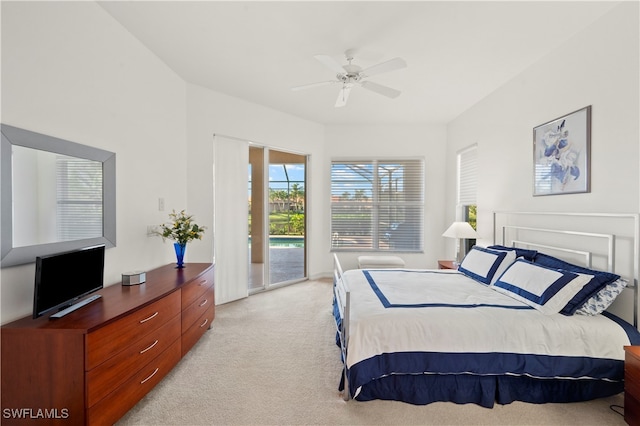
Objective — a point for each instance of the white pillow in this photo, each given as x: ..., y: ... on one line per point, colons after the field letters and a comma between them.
x: 600, y: 301
x: 486, y: 265
x: 545, y: 289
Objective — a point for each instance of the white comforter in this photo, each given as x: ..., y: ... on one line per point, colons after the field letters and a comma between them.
x: 445, y: 311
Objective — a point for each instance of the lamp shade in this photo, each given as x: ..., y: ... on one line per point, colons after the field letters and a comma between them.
x: 460, y: 230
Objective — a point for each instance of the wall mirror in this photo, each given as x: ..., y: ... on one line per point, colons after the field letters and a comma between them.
x: 56, y: 196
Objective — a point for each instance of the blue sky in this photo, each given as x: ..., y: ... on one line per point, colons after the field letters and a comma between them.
x: 276, y: 173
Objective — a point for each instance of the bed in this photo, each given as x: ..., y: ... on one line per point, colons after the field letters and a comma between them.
x: 514, y: 323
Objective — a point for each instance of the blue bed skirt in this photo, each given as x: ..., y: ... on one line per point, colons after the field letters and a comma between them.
x: 484, y: 390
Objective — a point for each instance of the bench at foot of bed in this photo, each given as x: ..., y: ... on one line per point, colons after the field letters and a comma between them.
x: 380, y: 262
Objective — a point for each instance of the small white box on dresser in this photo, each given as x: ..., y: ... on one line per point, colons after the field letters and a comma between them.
x: 134, y: 278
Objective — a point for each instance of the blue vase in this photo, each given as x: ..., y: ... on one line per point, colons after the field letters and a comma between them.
x: 180, y: 249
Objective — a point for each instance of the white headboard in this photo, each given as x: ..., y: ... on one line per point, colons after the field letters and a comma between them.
x: 603, y: 241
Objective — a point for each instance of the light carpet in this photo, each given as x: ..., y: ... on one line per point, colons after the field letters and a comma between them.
x: 270, y: 359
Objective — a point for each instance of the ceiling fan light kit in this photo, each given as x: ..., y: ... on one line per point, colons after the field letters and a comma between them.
x: 350, y: 75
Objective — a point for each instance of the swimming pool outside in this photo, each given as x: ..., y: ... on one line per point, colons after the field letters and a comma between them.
x: 284, y: 241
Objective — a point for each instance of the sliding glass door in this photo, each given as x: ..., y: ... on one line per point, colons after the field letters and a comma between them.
x: 257, y: 245
x: 286, y: 217
x: 277, y: 219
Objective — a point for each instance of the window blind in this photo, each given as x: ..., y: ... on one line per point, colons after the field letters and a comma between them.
x: 467, y: 176
x: 79, y: 198
x: 377, y: 205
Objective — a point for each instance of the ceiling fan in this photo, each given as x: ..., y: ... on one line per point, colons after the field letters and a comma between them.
x: 351, y: 75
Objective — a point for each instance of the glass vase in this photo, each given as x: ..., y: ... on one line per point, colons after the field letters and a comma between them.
x: 180, y: 249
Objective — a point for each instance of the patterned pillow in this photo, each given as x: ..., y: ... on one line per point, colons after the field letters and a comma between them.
x: 603, y: 299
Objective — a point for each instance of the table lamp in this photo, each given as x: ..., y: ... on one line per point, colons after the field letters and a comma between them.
x: 460, y: 231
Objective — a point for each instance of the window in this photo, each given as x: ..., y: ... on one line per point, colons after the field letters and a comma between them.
x: 79, y: 199
x: 467, y: 188
x: 469, y: 215
x: 377, y: 205
x: 467, y: 176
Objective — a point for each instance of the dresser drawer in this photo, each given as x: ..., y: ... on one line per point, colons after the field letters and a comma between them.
x: 197, y: 329
x: 108, y: 410
x: 116, y: 370
x: 195, y: 289
x: 119, y: 335
x: 191, y: 314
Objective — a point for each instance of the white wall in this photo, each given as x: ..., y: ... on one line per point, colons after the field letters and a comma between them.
x: 419, y: 140
x: 70, y: 71
x: 598, y: 67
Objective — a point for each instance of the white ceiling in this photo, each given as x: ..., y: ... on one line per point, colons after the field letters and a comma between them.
x: 457, y: 52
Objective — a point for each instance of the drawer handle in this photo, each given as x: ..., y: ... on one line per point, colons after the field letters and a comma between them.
x: 152, y: 374
x: 203, y: 282
x: 204, y: 302
x: 152, y: 345
x: 206, y: 320
x: 151, y: 317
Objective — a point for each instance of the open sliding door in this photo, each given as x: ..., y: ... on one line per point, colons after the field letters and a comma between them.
x: 277, y: 224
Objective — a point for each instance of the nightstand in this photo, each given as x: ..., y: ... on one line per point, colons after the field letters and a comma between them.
x: 446, y: 264
x: 632, y: 384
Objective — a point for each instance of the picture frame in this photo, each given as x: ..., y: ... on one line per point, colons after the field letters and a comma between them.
x: 562, y: 154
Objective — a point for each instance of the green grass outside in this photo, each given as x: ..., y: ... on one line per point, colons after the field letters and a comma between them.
x: 283, y: 223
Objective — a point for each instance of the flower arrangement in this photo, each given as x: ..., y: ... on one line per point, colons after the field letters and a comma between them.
x: 181, y: 229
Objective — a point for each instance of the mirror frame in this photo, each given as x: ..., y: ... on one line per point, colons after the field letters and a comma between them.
x: 11, y: 256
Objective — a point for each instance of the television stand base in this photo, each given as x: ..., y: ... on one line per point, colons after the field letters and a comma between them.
x: 75, y: 306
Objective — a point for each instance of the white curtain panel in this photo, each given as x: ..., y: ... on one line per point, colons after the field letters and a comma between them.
x: 230, y: 218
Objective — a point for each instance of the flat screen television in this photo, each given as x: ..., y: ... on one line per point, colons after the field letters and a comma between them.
x: 63, y: 278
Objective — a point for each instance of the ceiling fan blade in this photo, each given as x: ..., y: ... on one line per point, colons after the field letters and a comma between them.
x: 330, y: 63
x: 390, y: 65
x: 309, y: 86
x: 343, y: 96
x: 380, y: 89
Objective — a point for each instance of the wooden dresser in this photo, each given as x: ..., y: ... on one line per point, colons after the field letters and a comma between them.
x: 92, y: 365
x: 632, y: 385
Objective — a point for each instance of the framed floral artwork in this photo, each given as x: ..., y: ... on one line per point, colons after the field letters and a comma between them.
x: 561, y: 154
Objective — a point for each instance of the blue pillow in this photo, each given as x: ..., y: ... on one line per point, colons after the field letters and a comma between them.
x: 599, y: 281
x: 485, y: 265
x: 520, y: 252
x: 544, y: 289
